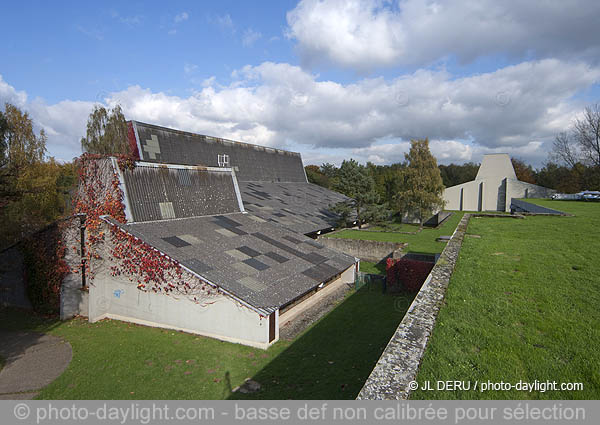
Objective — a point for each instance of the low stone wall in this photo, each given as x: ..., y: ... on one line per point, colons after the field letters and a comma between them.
x: 399, y: 363
x: 365, y: 250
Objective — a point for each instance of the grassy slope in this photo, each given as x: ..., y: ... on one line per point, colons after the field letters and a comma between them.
x: 424, y: 241
x: 334, y: 359
x: 118, y: 360
x: 522, y: 305
x: 372, y: 268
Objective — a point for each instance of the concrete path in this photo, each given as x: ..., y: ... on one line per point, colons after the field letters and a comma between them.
x: 32, y: 361
x: 292, y: 328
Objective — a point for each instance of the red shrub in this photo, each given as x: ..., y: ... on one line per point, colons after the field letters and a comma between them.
x: 406, y: 274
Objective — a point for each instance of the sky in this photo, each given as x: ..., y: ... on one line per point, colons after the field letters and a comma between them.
x: 331, y: 79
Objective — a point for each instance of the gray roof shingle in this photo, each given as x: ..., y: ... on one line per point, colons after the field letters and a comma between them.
x: 302, y: 207
x: 259, y: 265
x: 251, y: 162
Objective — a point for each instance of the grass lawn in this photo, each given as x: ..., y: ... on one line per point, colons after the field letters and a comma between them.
x: 396, y: 227
x: 372, y: 268
x: 522, y: 304
x: 118, y: 360
x: 423, y: 242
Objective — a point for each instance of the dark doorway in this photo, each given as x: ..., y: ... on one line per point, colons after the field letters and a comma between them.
x: 272, y: 327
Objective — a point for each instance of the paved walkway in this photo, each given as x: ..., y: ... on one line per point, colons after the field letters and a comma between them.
x: 295, y: 326
x: 32, y: 361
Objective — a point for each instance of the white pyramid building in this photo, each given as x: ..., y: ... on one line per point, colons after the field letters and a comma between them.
x: 493, y: 188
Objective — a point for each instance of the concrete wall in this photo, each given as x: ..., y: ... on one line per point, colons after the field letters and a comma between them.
x: 218, y: 316
x: 73, y: 298
x: 412, y: 217
x: 12, y: 285
x: 222, y: 319
x: 365, y: 250
x: 494, y: 186
x: 491, y: 194
x: 462, y: 197
x: 398, y: 365
x: 519, y: 189
x: 496, y: 165
x: 348, y: 276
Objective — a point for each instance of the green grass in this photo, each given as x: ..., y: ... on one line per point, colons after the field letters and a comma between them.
x: 522, y: 304
x: 372, y: 268
x: 334, y: 358
x: 118, y: 360
x: 396, y: 227
x: 423, y: 242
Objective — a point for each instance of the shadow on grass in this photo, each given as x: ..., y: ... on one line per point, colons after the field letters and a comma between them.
x: 20, y: 319
x: 21, y: 329
x: 333, y: 358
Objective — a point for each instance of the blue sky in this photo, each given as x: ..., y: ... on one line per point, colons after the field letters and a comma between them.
x: 331, y: 79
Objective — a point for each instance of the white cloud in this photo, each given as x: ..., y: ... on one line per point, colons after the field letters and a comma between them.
x: 91, y: 32
x: 10, y: 95
x: 225, y: 23
x: 517, y: 109
x: 250, y: 37
x: 180, y: 17
x: 189, y: 68
x: 127, y: 20
x: 365, y: 34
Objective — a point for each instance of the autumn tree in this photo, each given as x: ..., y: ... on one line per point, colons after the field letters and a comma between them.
x: 20, y: 148
x: 422, y: 186
x: 3, y: 140
x: 523, y: 171
x: 106, y: 132
x: 20, y: 145
x: 314, y: 175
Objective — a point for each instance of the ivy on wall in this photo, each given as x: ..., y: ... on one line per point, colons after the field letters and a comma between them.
x: 151, y: 270
x: 45, y: 268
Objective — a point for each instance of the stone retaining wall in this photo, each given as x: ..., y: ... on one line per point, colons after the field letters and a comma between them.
x: 399, y: 363
x: 365, y: 250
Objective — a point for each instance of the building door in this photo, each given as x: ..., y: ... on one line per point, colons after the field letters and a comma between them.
x: 272, y: 327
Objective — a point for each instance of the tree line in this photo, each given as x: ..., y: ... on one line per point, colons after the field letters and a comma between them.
x: 379, y: 192
x: 35, y: 189
x: 572, y: 166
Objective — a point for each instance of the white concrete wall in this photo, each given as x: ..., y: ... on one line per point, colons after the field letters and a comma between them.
x: 470, y: 196
x: 498, y: 177
x: 519, y: 189
x: 496, y: 165
x: 220, y: 316
x: 73, y: 300
x: 223, y: 318
x: 491, y: 191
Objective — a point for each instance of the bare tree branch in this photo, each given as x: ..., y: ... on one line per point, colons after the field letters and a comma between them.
x: 564, y: 150
x: 587, y: 134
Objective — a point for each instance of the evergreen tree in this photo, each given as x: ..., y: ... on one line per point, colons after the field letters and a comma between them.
x: 354, y: 181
